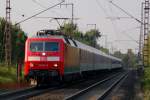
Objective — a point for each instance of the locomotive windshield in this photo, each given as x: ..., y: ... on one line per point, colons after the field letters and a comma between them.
x: 51, y: 46
x: 44, y: 46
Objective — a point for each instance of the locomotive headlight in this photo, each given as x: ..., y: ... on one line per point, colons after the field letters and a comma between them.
x: 31, y: 64
x: 43, y: 53
x: 55, y: 65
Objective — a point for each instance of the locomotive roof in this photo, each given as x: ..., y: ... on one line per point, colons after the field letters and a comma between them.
x: 79, y: 45
x: 50, y: 36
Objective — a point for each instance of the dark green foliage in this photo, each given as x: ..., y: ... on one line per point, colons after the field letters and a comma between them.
x: 92, y: 36
x: 69, y: 29
x: 18, y: 42
x: 19, y: 45
x: 2, y: 27
x: 118, y: 54
x: 146, y: 78
x: 104, y: 50
x: 130, y: 59
x: 88, y: 38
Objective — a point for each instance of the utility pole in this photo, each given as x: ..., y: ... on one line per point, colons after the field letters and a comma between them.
x: 72, y: 16
x: 144, y: 28
x: 7, y: 35
x: 72, y: 7
x: 146, y: 33
x: 105, y: 40
x: 141, y: 36
x: 56, y: 18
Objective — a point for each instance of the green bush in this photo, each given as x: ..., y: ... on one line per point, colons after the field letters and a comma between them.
x: 7, y: 74
x: 146, y: 84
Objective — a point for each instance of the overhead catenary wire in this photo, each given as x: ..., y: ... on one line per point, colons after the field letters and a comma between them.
x: 130, y: 16
x: 112, y: 21
x: 137, y: 42
x: 118, y: 18
x: 39, y: 4
x: 40, y: 12
x: 107, y: 15
x: 126, y: 12
x: 101, y: 7
x: 57, y: 18
x: 35, y: 1
x: 126, y: 40
x: 129, y: 35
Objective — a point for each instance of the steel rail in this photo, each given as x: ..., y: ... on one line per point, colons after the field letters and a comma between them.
x: 108, y: 90
x: 9, y: 93
x: 32, y: 91
x: 77, y: 94
x: 24, y: 93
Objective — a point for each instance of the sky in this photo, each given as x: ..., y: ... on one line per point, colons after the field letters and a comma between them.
x: 99, y: 12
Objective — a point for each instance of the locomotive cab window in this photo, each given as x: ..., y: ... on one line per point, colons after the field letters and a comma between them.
x: 44, y: 46
x: 36, y: 46
x: 51, y: 46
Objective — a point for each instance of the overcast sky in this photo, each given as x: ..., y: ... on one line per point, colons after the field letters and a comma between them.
x: 89, y: 12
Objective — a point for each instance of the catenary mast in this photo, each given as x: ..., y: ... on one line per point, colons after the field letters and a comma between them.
x: 7, y: 35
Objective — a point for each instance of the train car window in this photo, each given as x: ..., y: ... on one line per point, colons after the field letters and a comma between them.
x: 51, y: 46
x: 115, y: 62
x: 36, y: 46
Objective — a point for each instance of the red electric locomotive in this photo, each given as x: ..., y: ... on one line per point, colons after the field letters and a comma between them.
x: 44, y: 57
x: 51, y: 55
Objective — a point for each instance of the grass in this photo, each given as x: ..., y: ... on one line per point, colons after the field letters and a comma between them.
x: 8, y: 74
x: 146, y: 84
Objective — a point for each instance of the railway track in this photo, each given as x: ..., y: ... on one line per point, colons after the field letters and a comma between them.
x: 55, y: 91
x: 24, y: 93
x: 98, y: 90
x: 31, y: 92
x: 63, y: 93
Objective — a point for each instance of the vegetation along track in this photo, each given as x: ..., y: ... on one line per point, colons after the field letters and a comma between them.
x: 98, y: 90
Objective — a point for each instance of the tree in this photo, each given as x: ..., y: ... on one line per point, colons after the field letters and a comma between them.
x: 72, y: 30
x: 118, y: 54
x: 104, y: 50
x: 2, y: 27
x: 130, y: 59
x: 92, y: 36
x: 69, y: 29
x: 14, y: 32
x: 20, y: 44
